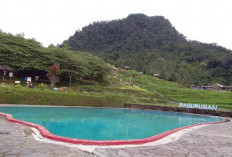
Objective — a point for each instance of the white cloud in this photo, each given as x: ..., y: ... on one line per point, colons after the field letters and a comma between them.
x: 53, y: 21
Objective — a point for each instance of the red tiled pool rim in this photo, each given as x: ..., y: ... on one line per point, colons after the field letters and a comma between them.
x: 46, y: 134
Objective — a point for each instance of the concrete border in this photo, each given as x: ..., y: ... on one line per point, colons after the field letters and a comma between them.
x: 178, y: 109
x: 46, y: 134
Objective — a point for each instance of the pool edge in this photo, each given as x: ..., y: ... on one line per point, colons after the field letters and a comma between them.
x: 46, y: 134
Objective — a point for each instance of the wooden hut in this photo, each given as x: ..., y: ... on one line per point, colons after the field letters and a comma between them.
x: 217, y: 86
x: 220, y: 87
x: 126, y: 67
x: 156, y: 75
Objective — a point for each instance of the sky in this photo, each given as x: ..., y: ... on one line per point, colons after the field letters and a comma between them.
x: 53, y: 21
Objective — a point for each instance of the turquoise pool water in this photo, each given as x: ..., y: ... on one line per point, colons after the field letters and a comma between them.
x: 104, y: 123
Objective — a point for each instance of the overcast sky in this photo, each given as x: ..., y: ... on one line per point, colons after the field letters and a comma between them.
x: 53, y: 21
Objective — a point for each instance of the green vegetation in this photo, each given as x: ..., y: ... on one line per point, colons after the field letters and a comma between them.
x: 23, y: 95
x: 144, y: 89
x: 152, y: 45
x: 29, y: 58
x: 178, y: 93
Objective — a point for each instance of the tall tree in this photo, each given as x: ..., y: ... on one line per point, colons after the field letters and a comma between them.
x: 53, y: 74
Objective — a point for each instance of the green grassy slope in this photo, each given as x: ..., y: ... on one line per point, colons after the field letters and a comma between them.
x: 23, y: 95
x: 177, y: 93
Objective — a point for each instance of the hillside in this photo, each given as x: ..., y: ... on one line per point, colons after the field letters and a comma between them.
x: 153, y: 45
x: 146, y: 90
x: 174, y: 92
x: 29, y: 58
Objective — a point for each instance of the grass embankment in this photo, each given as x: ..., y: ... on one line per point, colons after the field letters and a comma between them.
x: 177, y: 93
x: 23, y: 95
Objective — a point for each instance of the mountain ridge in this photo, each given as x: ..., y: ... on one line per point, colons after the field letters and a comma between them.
x: 153, y: 45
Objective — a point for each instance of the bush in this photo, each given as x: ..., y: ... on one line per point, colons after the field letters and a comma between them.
x: 86, y: 82
x: 18, y: 86
x: 42, y: 86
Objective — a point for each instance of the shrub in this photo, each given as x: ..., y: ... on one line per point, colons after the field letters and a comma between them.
x: 18, y: 86
x: 42, y: 86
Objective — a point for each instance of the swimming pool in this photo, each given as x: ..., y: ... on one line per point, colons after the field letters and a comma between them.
x: 105, y: 124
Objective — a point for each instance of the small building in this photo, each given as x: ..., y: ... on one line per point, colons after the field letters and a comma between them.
x: 214, y: 87
x: 220, y: 87
x: 115, y: 69
x: 203, y: 87
x: 228, y: 88
x: 217, y: 86
x: 126, y: 67
x: 206, y: 87
x: 157, y: 75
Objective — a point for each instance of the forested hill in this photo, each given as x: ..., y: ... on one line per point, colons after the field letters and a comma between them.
x: 29, y: 58
x: 135, y: 33
x: 153, y: 45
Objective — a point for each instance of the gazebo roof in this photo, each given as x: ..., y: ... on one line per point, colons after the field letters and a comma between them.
x: 6, y: 68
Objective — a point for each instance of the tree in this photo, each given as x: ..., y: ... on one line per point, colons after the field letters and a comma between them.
x: 20, y: 35
x: 53, y: 74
